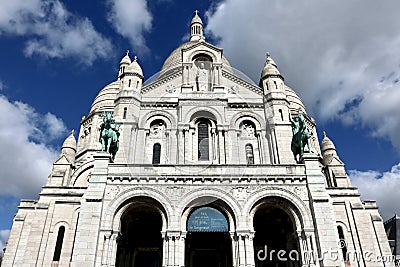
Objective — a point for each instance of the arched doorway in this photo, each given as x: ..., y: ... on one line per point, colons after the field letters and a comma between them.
x: 140, y: 243
x: 208, y: 241
x: 275, y: 241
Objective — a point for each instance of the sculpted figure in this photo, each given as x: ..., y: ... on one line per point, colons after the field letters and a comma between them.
x: 109, y: 134
x: 301, y: 137
x: 202, y: 78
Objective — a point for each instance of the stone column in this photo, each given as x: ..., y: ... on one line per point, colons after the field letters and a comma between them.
x: 164, y: 259
x: 234, y: 240
x: 106, y: 248
x: 181, y: 256
x: 241, y: 250
x: 181, y: 146
x: 302, y: 249
x: 250, y: 262
x: 113, y: 249
x: 260, y: 147
x: 214, y: 150
x: 187, y: 143
x: 173, y: 245
x: 221, y: 146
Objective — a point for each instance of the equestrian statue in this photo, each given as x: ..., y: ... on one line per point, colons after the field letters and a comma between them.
x: 301, y: 136
x: 109, y: 135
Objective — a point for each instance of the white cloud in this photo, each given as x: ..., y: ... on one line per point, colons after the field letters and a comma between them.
x: 4, y: 234
x: 52, y: 30
x: 131, y: 19
x: 341, y: 57
x: 382, y: 187
x: 27, y: 157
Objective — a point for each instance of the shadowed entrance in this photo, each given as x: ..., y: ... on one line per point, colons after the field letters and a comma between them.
x: 208, y: 242
x: 274, y: 231
x: 140, y: 244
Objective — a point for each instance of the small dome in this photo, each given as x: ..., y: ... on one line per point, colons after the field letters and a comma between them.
x: 106, y: 96
x: 328, y: 150
x: 270, y: 67
x: 134, y: 67
x: 196, y: 18
x: 327, y: 144
x: 327, y: 147
x: 70, y: 141
x: 126, y: 59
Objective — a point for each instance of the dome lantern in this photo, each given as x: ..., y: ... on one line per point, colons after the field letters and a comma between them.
x: 196, y: 28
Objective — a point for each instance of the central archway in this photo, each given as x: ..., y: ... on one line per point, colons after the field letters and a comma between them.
x: 208, y: 241
x: 275, y: 240
x: 140, y: 243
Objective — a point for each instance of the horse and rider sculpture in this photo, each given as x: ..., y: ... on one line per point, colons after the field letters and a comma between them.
x: 301, y: 137
x: 109, y: 135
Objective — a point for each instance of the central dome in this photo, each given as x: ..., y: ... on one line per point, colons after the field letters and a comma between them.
x: 175, y: 58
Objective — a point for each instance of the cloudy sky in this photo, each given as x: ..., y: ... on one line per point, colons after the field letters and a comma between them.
x: 342, y: 58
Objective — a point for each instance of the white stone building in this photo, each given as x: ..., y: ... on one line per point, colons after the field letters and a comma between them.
x: 204, y: 176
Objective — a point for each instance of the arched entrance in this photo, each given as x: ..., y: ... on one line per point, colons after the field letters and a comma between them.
x: 208, y: 241
x: 275, y: 241
x: 140, y: 243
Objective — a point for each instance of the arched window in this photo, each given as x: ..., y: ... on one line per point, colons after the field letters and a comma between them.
x: 125, y: 111
x: 60, y: 238
x: 203, y: 144
x: 276, y: 85
x: 156, y: 154
x: 129, y: 84
x: 249, y: 154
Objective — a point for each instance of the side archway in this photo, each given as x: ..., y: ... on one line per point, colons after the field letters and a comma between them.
x: 140, y: 242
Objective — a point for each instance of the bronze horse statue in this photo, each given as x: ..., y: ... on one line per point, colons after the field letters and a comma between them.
x: 301, y: 137
x: 109, y: 135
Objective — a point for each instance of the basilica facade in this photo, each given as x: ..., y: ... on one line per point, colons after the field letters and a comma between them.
x: 197, y: 166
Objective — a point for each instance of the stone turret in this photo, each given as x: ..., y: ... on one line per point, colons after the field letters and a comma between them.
x: 132, y: 79
x: 334, y: 170
x: 328, y: 150
x: 271, y: 79
x: 125, y: 61
x: 69, y: 147
x: 196, y: 28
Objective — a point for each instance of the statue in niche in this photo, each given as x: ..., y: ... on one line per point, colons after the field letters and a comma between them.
x: 202, y: 78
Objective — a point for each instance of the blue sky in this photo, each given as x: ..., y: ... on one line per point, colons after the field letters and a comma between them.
x: 341, y: 57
